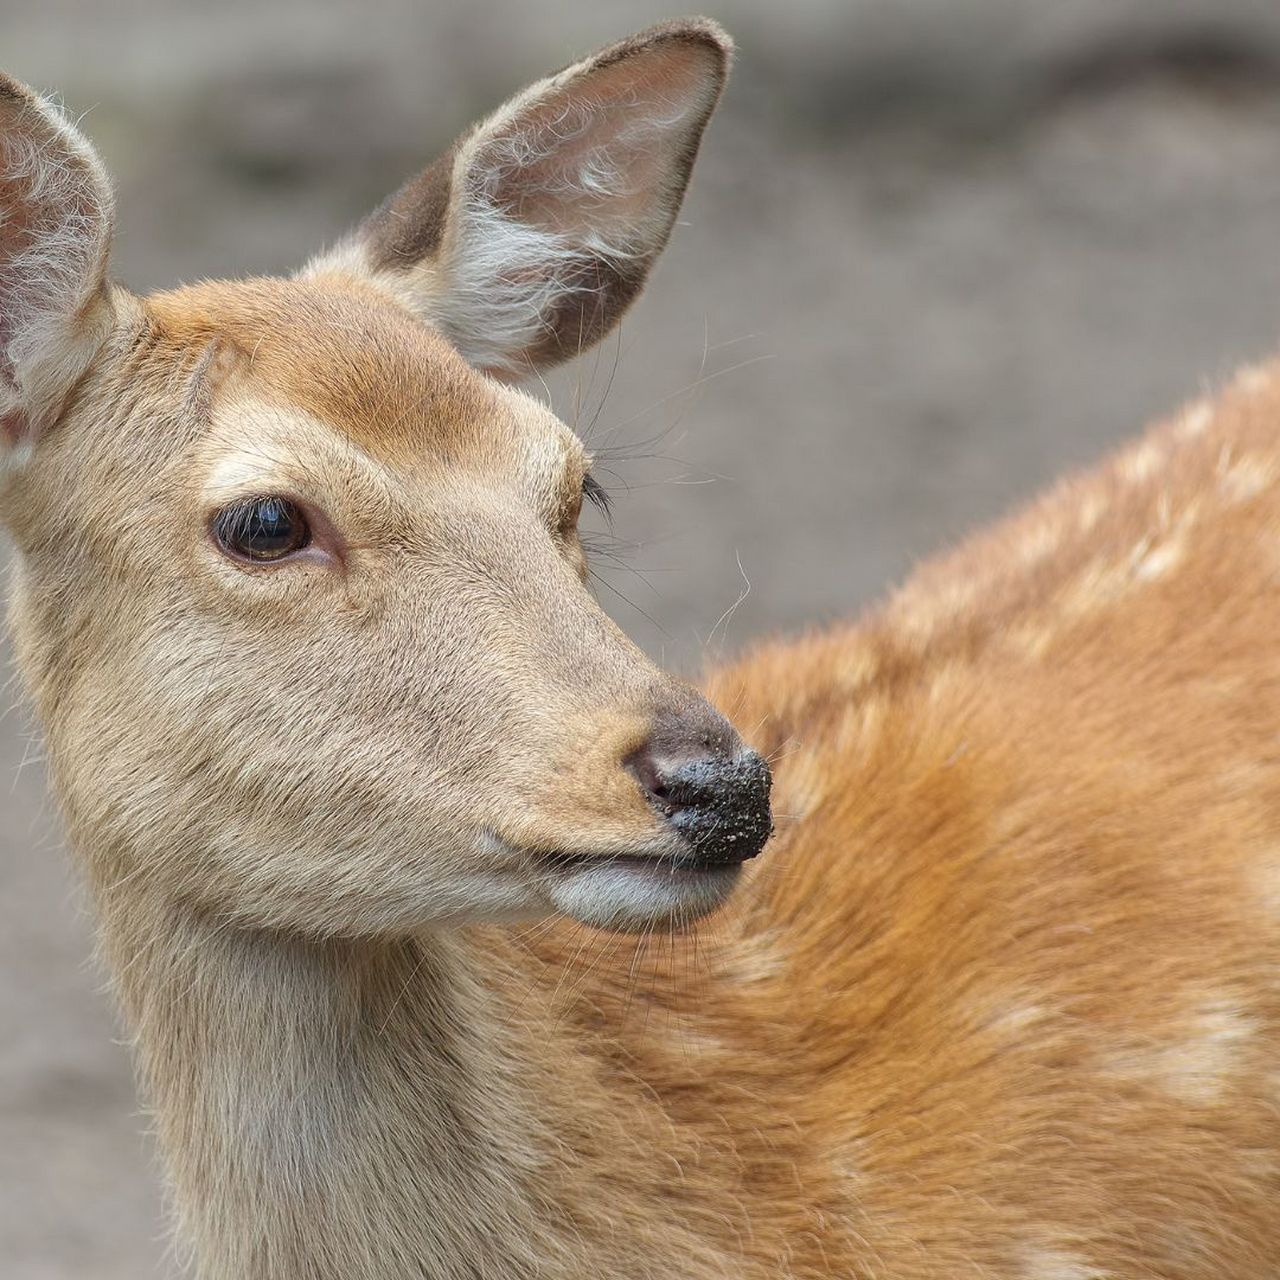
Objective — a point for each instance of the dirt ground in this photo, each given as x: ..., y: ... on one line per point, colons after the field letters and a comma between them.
x: 937, y: 252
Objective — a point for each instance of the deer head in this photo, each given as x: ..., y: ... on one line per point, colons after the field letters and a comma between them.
x: 300, y: 594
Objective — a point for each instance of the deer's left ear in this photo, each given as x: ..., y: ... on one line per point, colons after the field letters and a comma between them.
x: 528, y: 239
x: 55, y: 232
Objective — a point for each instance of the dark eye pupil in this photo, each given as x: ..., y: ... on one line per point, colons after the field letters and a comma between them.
x: 262, y: 529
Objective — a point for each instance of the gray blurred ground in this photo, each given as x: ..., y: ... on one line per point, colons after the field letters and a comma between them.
x: 936, y: 252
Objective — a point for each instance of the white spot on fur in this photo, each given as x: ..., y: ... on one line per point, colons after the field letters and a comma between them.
x: 1197, y: 1071
x: 1195, y: 420
x: 1014, y: 1018
x: 1143, y: 462
x: 1197, y: 1067
x: 1154, y: 557
x: 1246, y: 478
x: 1089, y: 511
x: 1057, y: 1264
x: 1152, y: 562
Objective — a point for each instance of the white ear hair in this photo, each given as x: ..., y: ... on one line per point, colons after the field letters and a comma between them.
x: 529, y: 239
x: 55, y: 234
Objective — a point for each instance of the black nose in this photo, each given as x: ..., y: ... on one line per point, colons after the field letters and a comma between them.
x: 710, y: 789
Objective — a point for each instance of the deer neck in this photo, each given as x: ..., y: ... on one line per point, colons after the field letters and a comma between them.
x: 336, y: 1109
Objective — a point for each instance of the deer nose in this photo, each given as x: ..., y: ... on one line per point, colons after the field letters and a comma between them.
x: 711, y: 791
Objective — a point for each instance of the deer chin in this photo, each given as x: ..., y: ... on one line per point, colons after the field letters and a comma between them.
x: 627, y: 891
x: 629, y: 894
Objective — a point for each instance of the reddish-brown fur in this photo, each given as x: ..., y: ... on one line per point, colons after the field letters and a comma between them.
x: 1004, y: 989
x: 1001, y: 1000
x: 1041, y: 1004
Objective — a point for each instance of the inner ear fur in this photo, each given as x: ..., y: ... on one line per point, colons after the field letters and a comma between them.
x: 528, y: 239
x: 56, y: 213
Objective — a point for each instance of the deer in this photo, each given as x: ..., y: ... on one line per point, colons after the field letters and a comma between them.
x: 375, y: 804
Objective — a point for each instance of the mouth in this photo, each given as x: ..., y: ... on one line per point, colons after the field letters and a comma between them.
x: 660, y: 880
x: 627, y: 892
x: 663, y: 863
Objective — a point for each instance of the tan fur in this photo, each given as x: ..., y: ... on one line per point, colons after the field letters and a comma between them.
x: 1000, y: 1000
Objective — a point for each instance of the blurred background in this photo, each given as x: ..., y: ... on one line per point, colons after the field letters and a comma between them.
x: 935, y: 253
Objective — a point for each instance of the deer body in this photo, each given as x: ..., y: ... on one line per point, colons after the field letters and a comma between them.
x: 332, y: 720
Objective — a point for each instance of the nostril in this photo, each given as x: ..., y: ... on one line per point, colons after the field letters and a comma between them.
x: 717, y: 802
x: 650, y: 774
x: 676, y: 783
x: 660, y: 780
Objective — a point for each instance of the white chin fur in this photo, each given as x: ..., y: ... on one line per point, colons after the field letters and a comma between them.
x: 627, y: 896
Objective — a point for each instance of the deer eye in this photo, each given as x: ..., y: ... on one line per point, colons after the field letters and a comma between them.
x: 261, y: 529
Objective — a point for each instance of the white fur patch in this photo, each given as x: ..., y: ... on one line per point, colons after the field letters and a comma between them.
x: 1198, y: 1066
x: 621, y: 895
x: 1143, y: 462
x: 1246, y: 478
x: 1198, y: 1069
x: 1090, y: 511
x: 502, y: 279
x: 1057, y: 1264
x: 1195, y: 420
x: 1013, y: 1018
x: 1154, y: 557
x: 1155, y: 561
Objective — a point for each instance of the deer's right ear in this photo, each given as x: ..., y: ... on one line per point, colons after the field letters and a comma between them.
x: 526, y: 242
x: 55, y: 232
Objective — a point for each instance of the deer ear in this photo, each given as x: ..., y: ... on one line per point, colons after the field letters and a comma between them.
x: 529, y: 238
x: 55, y: 231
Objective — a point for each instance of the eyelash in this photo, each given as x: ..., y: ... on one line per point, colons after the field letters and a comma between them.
x: 596, y: 494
